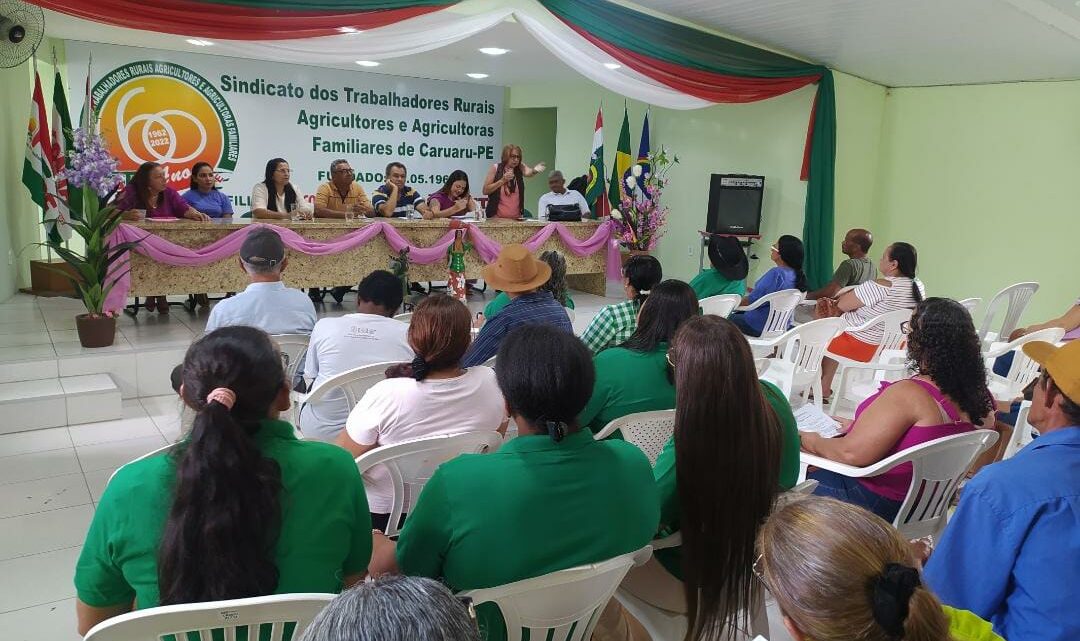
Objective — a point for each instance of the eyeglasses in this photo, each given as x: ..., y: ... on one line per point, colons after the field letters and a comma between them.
x: 905, y: 328
x: 670, y: 359
x: 345, y: 171
x: 773, y: 248
x: 756, y: 567
x: 468, y: 603
x: 284, y: 170
x: 518, y: 156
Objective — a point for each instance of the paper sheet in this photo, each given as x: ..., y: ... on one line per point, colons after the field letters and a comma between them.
x: 810, y: 418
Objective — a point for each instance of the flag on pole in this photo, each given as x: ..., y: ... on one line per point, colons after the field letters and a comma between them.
x: 37, y: 168
x: 594, y: 192
x: 622, y: 161
x: 61, y: 137
x: 643, y: 155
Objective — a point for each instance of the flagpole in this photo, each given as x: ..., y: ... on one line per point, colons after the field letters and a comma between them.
x: 48, y: 247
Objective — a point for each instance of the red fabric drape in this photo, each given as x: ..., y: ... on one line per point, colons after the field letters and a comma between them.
x: 207, y: 20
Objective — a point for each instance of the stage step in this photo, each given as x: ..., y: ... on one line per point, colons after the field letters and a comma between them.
x: 57, y: 402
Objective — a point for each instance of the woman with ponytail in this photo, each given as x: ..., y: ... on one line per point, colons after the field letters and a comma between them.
x: 947, y: 395
x: 839, y: 573
x: 896, y: 289
x: 550, y: 499
x: 239, y: 508
x: 431, y: 396
x: 788, y: 255
x: 614, y: 324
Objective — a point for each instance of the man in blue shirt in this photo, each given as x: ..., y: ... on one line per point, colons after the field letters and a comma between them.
x: 1011, y: 552
x: 518, y: 273
x: 394, y: 198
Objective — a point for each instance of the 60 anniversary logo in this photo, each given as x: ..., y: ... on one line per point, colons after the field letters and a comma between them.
x: 154, y: 111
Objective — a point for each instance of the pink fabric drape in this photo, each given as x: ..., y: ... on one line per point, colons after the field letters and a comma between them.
x: 163, y: 251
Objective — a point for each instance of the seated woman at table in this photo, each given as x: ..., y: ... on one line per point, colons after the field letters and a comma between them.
x: 148, y: 195
x: 556, y: 285
x: 453, y: 199
x: 636, y: 376
x: 276, y: 197
x: 788, y: 256
x: 946, y: 396
x: 504, y: 184
x: 163, y: 518
x: 204, y: 195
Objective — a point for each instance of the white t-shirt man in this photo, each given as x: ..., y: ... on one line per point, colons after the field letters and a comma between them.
x: 568, y: 197
x: 272, y: 307
x: 338, y: 345
x: 403, y: 409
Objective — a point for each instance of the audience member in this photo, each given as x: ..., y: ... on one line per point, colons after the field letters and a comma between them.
x: 735, y: 446
x: 551, y: 499
x: 204, y: 195
x: 266, y: 302
x: 1011, y: 550
x: 636, y: 376
x: 787, y: 254
x: 239, y: 508
x: 453, y: 199
x: 559, y: 196
x: 432, y: 396
x: 728, y: 272
x: 1069, y: 321
x: 839, y: 573
x: 856, y: 269
x: 556, y: 285
x: 615, y: 323
x: 394, y: 198
x: 898, y: 289
x: 521, y: 276
x: 342, y: 343
x: 504, y: 184
x: 394, y: 608
x: 276, y: 197
x: 946, y: 396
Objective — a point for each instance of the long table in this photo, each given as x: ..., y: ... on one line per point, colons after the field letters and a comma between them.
x: 150, y: 278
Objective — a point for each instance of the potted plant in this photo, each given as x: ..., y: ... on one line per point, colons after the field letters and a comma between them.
x: 640, y: 218
x: 94, y: 170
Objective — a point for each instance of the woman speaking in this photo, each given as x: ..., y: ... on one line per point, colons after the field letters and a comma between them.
x: 504, y: 184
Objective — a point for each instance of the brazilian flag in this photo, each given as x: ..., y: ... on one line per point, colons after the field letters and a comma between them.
x: 623, y: 161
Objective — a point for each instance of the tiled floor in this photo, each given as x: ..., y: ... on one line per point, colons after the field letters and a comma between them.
x: 51, y: 479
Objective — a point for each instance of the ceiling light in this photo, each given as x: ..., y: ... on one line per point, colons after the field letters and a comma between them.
x: 493, y: 51
x: 367, y: 63
x: 477, y: 76
x: 612, y: 65
x: 199, y: 43
x: 349, y: 30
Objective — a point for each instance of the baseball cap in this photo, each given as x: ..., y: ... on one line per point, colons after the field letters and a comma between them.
x: 262, y: 247
x: 1063, y: 364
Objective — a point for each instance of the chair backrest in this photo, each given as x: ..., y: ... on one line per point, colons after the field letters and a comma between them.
x: 277, y: 617
x: 937, y: 467
x: 489, y: 363
x: 782, y: 306
x: 970, y: 304
x: 1021, y: 435
x: 1015, y: 299
x: 353, y: 383
x: 720, y: 305
x: 405, y: 317
x: 563, y: 605
x: 649, y: 431
x: 411, y: 464
x: 804, y: 348
x: 1024, y: 370
x: 293, y: 347
x: 892, y: 337
x: 571, y: 314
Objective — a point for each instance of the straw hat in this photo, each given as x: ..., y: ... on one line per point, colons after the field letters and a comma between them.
x: 516, y: 270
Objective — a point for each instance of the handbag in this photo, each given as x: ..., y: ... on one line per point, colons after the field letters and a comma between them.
x: 564, y: 213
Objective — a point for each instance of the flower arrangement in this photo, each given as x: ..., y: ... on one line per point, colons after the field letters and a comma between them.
x: 92, y: 166
x: 640, y: 217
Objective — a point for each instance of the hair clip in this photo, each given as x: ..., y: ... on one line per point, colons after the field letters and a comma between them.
x: 556, y: 430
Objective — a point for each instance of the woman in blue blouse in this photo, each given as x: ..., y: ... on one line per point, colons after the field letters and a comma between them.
x: 203, y: 196
x: 787, y: 253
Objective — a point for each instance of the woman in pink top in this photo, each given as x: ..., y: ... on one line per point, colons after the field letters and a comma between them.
x: 148, y: 195
x: 946, y: 396
x: 504, y: 184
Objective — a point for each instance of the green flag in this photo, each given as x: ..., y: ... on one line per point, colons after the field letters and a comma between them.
x: 622, y: 162
x: 594, y: 191
x: 62, y: 135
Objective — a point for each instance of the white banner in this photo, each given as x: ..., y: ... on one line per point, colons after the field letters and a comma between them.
x: 180, y: 108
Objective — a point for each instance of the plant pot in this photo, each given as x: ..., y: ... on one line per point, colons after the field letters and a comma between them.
x: 627, y: 254
x: 96, y: 331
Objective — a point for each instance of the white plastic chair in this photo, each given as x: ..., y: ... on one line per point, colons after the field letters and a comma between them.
x: 892, y: 340
x: 1015, y: 299
x: 782, y: 306
x: 720, y: 305
x: 571, y: 314
x: 937, y: 467
x: 276, y: 612
x: 798, y: 368
x: 1022, y: 432
x: 352, y: 384
x: 1023, y: 370
x: 970, y: 304
x: 404, y: 318
x: 649, y: 431
x: 411, y: 464
x: 293, y: 348
x: 563, y: 605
